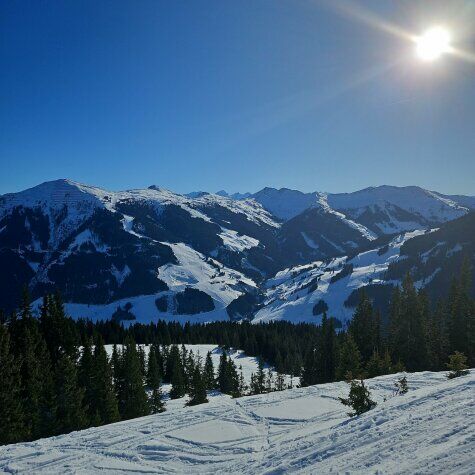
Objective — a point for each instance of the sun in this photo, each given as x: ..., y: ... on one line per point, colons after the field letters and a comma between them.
x: 432, y: 44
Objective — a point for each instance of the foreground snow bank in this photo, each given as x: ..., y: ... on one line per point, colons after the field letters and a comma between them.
x: 429, y: 430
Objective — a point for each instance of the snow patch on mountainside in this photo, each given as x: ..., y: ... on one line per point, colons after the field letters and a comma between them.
x: 424, y: 203
x: 237, y: 242
x: 323, y: 202
x: 292, y: 293
x: 429, y: 430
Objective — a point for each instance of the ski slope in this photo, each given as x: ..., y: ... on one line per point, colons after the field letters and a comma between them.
x: 430, y: 430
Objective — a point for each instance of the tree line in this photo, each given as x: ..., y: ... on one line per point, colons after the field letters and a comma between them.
x: 57, y: 376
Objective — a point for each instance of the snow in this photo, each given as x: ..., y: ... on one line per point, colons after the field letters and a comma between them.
x: 143, y: 308
x: 120, y: 275
x: 285, y: 203
x: 309, y: 241
x: 365, y: 232
x: 194, y: 269
x: 288, y: 297
x: 424, y: 203
x: 429, y: 430
x: 80, y: 201
x: 237, y: 242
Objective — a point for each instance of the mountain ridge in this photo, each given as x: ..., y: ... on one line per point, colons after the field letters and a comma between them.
x: 100, y: 247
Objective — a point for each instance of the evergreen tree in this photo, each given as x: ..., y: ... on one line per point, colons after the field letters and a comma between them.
x: 173, y: 359
x: 12, y: 427
x: 457, y: 365
x: 309, y: 374
x: 258, y: 382
x: 156, y: 401
x: 242, y: 382
x: 349, y: 363
x: 86, y: 381
x: 408, y: 328
x: 104, y: 403
x: 280, y: 382
x: 197, y: 389
x: 364, y: 326
x: 208, y: 374
x: 38, y: 385
x: 178, y: 382
x: 153, y: 381
x: 401, y: 386
x: 269, y: 381
x: 133, y: 400
x: 71, y: 413
x: 359, y: 399
x: 116, y: 359
x: 326, y: 352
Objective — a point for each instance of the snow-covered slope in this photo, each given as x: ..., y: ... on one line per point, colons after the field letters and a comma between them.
x: 429, y: 430
x: 382, y: 209
x: 106, y: 250
x: 294, y: 293
x: 391, y: 209
x: 101, y: 248
x: 285, y: 203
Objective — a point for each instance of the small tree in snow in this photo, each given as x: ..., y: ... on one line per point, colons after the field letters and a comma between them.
x: 401, y: 386
x: 359, y: 399
x: 457, y: 365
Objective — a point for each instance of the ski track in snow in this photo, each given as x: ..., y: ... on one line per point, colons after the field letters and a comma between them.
x: 429, y: 430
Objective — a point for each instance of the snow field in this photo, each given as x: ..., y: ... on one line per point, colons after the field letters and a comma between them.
x: 430, y: 430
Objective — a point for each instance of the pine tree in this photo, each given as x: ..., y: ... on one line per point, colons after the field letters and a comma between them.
x: 363, y: 327
x: 310, y: 373
x: 457, y: 365
x: 133, y: 400
x: 12, y: 427
x: 71, y: 413
x: 258, y: 383
x: 269, y: 381
x: 280, y: 382
x: 349, y: 363
x: 178, y: 382
x: 173, y: 359
x: 153, y: 381
x: 401, y: 386
x: 105, y: 403
x: 116, y: 360
x: 153, y: 372
x: 408, y: 328
x: 86, y: 381
x: 156, y: 401
x: 208, y: 375
x: 197, y: 389
x: 359, y: 399
x: 242, y: 382
x: 374, y: 365
x: 326, y: 352
x: 37, y: 385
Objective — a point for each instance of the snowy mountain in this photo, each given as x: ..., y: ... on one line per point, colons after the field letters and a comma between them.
x: 151, y: 253
x: 99, y: 247
x: 428, y: 430
x: 303, y: 293
x: 382, y: 210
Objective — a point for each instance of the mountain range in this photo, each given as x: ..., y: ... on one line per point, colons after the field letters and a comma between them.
x: 278, y: 253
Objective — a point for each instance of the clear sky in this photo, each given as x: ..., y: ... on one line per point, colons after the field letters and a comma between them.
x: 235, y: 95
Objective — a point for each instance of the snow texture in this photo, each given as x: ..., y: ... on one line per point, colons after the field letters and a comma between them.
x: 292, y: 293
x: 430, y: 430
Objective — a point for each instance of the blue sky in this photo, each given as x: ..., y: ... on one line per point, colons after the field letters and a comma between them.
x: 206, y: 95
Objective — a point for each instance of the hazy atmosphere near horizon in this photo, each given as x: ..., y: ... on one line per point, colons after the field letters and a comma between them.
x: 306, y: 94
